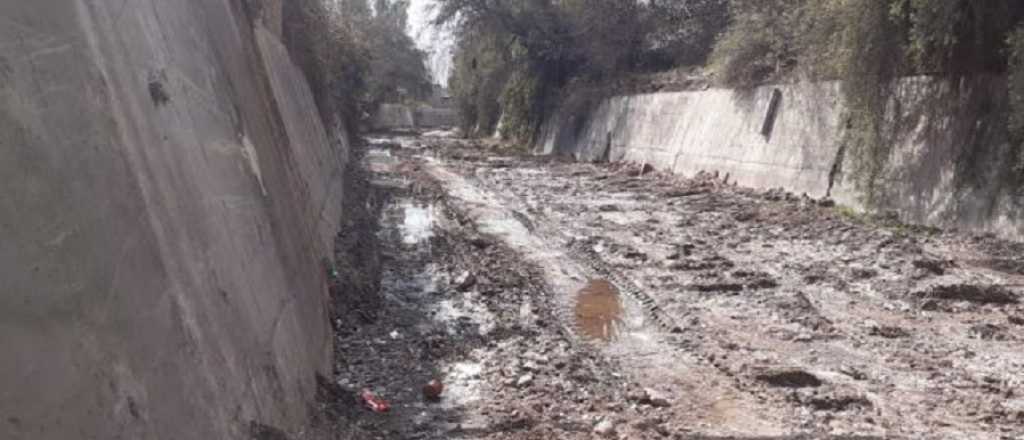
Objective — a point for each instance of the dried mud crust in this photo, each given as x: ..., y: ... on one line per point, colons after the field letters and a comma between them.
x: 855, y: 324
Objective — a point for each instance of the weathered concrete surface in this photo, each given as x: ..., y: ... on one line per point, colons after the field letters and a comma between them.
x: 946, y: 166
x: 393, y: 117
x: 168, y: 195
x: 951, y: 159
x: 435, y: 117
x: 407, y: 117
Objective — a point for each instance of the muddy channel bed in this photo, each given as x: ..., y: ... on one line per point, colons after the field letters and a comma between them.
x: 568, y: 300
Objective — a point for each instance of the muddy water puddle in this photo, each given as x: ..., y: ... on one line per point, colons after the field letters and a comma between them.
x: 599, y: 311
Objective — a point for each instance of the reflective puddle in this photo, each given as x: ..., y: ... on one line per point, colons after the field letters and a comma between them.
x: 599, y: 310
x: 418, y: 223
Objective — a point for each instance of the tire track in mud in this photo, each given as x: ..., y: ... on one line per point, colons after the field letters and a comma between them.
x: 674, y: 333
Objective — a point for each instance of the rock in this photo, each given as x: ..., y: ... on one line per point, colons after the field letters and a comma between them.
x: 432, y: 390
x: 636, y: 395
x: 464, y: 281
x: 789, y: 378
x: 605, y: 428
x: 480, y: 243
x: 524, y: 380
x: 422, y: 421
x: 656, y: 399
x: 538, y: 358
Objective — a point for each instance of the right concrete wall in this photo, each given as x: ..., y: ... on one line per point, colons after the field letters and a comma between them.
x: 948, y: 163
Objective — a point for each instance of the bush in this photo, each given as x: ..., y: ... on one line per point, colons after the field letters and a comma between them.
x: 759, y: 43
x: 520, y: 101
x: 1015, y: 45
x: 550, y: 43
x: 481, y: 68
x: 355, y: 57
x: 333, y: 58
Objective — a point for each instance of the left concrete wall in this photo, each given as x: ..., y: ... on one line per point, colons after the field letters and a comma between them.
x: 169, y: 193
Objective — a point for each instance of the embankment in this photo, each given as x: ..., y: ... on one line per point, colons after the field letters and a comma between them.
x: 948, y: 163
x: 169, y: 195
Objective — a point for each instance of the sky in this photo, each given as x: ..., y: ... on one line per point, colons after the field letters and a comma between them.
x: 437, y: 43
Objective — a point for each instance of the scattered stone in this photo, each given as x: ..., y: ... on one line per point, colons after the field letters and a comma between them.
x: 889, y: 332
x: 657, y: 399
x: 979, y: 294
x: 480, y: 243
x: 464, y: 281
x: 853, y: 372
x: 605, y: 428
x: 790, y: 378
x: 524, y: 381
x: 839, y: 402
x: 934, y: 267
x: 538, y: 358
x: 744, y: 216
x: 432, y: 390
x: 863, y: 273
x: 636, y: 394
x: 987, y: 332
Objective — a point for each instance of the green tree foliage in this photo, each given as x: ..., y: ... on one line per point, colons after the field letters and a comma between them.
x: 354, y: 56
x: 683, y: 32
x: 1016, y: 82
x: 333, y: 57
x: 867, y: 45
x: 1016, y: 86
x: 481, y: 68
x: 762, y: 40
x: 514, y: 56
x: 398, y: 69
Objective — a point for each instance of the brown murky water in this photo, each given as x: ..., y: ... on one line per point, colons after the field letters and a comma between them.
x: 598, y: 310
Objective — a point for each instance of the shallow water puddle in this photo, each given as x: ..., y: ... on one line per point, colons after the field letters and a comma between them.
x: 599, y: 310
x: 418, y: 223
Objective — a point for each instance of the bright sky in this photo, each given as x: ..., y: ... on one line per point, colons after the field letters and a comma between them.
x: 438, y: 43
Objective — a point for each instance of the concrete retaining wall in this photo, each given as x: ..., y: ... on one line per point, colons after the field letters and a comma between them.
x: 947, y: 165
x: 406, y: 117
x: 168, y: 196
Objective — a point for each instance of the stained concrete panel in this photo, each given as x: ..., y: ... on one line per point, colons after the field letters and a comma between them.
x: 945, y: 162
x: 163, y: 226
